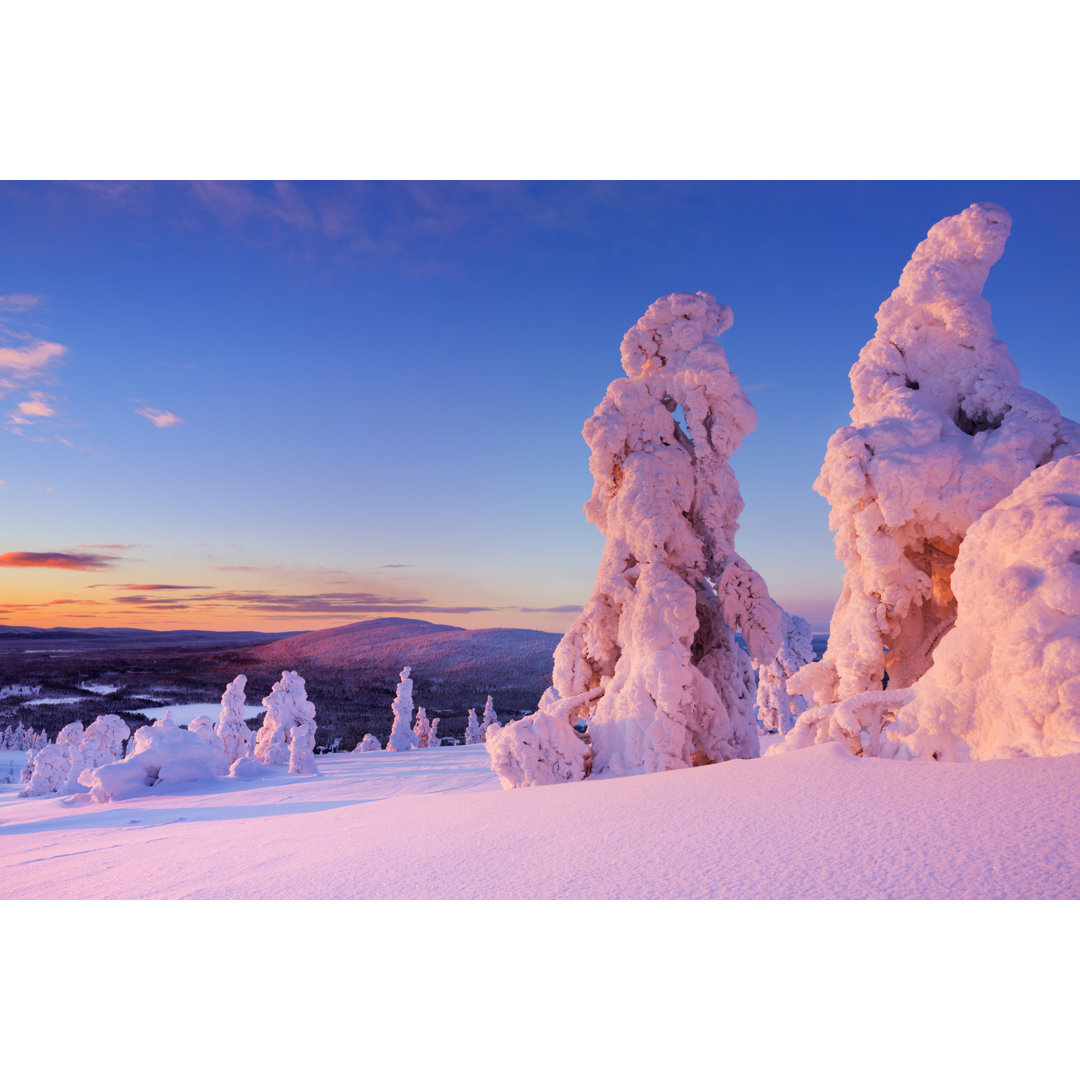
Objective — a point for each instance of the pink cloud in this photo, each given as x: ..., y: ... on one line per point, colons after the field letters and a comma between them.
x: 159, y: 418
x: 28, y: 361
x: 56, y: 560
x: 19, y: 302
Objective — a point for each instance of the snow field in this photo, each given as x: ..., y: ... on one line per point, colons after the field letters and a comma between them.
x: 818, y: 824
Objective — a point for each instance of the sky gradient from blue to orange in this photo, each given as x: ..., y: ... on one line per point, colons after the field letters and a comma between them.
x: 260, y: 406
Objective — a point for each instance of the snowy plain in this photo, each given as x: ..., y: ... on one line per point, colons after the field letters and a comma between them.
x: 434, y: 824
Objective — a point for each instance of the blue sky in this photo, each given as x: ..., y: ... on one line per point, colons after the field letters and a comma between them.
x: 369, y: 397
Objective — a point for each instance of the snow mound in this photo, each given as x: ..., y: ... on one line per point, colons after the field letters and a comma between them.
x: 941, y: 431
x: 163, y: 754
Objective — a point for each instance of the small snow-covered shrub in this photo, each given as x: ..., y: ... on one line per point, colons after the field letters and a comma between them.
x: 203, y: 727
x: 421, y: 729
x: 542, y: 748
x: 367, y: 744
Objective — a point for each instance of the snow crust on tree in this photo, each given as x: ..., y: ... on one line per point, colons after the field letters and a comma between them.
x: 652, y: 659
x: 367, y: 744
x: 237, y: 738
x: 777, y: 710
x: 401, y: 733
x: 163, y: 754
x: 287, y: 735
x: 941, y: 430
x: 1006, y: 678
x: 472, y: 730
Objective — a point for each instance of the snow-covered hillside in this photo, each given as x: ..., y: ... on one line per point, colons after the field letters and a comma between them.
x: 503, y: 658
x: 434, y: 824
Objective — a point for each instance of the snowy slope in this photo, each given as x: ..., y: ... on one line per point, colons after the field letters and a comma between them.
x: 434, y: 824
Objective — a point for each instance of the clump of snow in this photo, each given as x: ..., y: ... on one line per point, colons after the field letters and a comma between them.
x: 237, y: 738
x: 163, y: 754
x: 401, y: 734
x: 656, y: 639
x: 247, y: 768
x: 367, y: 744
x: 941, y: 431
x: 287, y: 735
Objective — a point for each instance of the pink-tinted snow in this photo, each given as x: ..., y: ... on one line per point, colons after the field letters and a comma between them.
x: 813, y: 824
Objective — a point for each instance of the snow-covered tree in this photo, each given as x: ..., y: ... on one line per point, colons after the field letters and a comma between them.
x: 203, y: 727
x: 941, y: 431
x: 237, y: 738
x: 50, y: 771
x: 433, y: 738
x: 103, y: 741
x: 287, y: 735
x: 776, y: 708
x: 652, y: 660
x: 421, y: 729
x: 472, y: 730
x: 70, y: 739
x: 367, y: 744
x: 401, y: 734
x: 491, y: 717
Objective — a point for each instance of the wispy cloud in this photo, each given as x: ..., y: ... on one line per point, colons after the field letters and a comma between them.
x: 57, y: 560
x: 27, y: 362
x: 563, y: 609
x: 146, y: 588
x: 159, y: 418
x: 38, y: 407
x: 19, y: 302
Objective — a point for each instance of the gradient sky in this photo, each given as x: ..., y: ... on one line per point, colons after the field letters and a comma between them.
x: 288, y: 406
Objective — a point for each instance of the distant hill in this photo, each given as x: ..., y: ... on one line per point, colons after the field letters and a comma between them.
x: 15, y: 639
x: 442, y: 656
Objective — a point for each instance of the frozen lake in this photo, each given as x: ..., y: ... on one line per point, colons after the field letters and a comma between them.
x: 184, y: 714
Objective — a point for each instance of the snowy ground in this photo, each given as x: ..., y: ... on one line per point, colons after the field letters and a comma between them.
x: 434, y: 824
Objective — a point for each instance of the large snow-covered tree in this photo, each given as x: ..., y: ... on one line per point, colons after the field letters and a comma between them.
x: 941, y: 430
x: 402, y: 706
x: 652, y: 659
